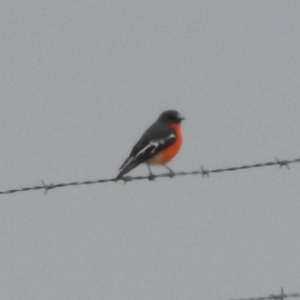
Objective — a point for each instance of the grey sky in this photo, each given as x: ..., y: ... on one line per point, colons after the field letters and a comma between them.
x: 80, y: 82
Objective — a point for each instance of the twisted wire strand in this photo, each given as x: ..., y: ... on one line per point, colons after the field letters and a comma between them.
x: 202, y: 171
x: 276, y: 297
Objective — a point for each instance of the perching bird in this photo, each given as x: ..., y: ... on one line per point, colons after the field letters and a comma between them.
x: 158, y: 145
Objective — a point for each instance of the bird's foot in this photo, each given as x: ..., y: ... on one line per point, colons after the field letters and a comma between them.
x: 171, y: 174
x: 151, y: 177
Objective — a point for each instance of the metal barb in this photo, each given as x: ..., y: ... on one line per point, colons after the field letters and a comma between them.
x: 47, y: 187
x: 283, y: 163
x: 127, y: 179
x: 204, y: 172
x: 280, y: 296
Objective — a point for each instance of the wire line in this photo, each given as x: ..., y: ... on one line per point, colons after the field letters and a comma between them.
x: 202, y: 171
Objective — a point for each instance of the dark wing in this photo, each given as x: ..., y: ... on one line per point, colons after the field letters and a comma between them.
x: 156, y: 138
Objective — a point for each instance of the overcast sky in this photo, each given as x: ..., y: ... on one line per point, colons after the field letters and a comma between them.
x: 81, y: 81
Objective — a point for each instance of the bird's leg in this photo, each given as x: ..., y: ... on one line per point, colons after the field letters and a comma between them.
x: 171, y: 172
x: 151, y: 175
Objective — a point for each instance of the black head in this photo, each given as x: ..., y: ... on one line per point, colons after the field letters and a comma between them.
x: 172, y: 116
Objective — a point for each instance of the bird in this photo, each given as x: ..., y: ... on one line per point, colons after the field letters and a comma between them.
x: 157, y: 146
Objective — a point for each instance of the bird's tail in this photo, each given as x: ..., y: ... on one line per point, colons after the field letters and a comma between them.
x: 129, y: 164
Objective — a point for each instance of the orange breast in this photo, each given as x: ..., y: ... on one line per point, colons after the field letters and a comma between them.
x: 166, y: 155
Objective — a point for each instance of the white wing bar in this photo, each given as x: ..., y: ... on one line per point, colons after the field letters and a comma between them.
x: 155, y: 144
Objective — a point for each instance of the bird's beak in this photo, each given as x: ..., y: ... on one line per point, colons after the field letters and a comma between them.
x: 181, y: 117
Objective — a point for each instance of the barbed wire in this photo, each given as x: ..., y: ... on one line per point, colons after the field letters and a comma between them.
x: 280, y: 296
x: 202, y: 171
